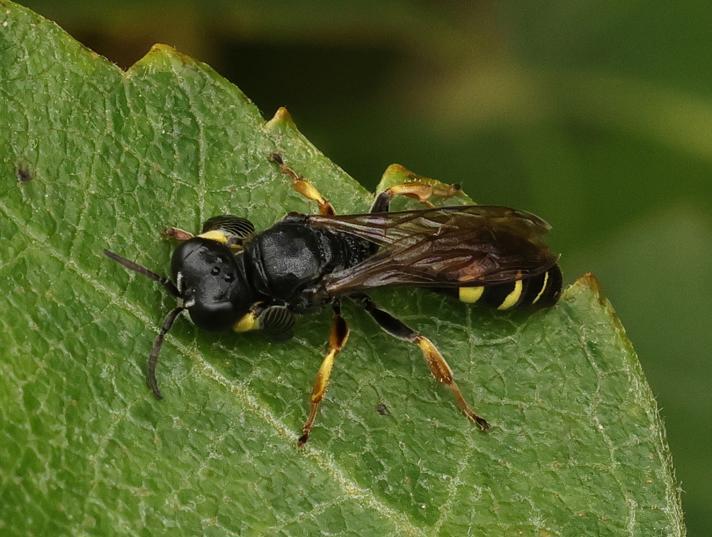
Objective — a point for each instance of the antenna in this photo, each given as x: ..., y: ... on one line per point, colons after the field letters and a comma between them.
x: 165, y: 282
x: 167, y: 322
x: 153, y: 357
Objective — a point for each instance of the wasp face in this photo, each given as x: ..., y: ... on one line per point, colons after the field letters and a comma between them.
x: 210, y: 283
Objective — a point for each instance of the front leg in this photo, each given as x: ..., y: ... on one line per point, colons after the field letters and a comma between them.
x: 177, y: 234
x: 304, y: 187
x: 275, y: 320
x: 233, y: 231
x: 226, y: 229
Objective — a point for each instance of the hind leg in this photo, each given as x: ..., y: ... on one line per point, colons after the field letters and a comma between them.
x: 418, y: 188
x: 439, y: 368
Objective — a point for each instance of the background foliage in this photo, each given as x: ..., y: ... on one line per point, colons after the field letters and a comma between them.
x: 596, y: 117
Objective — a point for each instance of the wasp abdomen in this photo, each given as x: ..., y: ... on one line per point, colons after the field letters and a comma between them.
x: 540, y: 291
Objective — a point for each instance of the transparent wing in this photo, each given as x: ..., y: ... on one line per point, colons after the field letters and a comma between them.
x: 442, y: 247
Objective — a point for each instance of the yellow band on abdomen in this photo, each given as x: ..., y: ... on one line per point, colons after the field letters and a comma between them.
x: 543, y: 287
x: 512, y: 298
x: 470, y: 295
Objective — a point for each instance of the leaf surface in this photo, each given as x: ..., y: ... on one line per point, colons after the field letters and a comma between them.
x: 94, y: 157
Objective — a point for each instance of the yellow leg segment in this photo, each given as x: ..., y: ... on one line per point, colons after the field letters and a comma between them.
x: 422, y: 191
x: 442, y: 372
x: 338, y: 336
x: 247, y: 322
x: 304, y: 187
x: 177, y: 234
x: 436, y: 363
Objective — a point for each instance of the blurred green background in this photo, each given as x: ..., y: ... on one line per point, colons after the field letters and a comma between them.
x: 595, y: 115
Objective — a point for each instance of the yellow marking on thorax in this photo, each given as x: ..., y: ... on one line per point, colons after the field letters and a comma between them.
x: 215, y: 235
x: 512, y: 298
x: 246, y: 323
x: 543, y: 287
x: 470, y: 295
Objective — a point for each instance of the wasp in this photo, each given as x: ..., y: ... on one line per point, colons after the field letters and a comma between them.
x: 229, y: 277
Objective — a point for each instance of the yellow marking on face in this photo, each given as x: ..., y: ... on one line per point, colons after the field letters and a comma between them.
x: 215, y: 235
x: 246, y: 323
x: 512, y: 298
x: 470, y: 295
x: 543, y: 287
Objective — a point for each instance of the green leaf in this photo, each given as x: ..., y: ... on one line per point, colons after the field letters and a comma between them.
x: 94, y: 157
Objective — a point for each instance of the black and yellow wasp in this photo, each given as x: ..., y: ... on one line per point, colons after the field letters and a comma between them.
x: 231, y: 278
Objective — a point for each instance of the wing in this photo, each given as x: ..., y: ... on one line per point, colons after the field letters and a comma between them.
x: 442, y: 247
x: 390, y: 228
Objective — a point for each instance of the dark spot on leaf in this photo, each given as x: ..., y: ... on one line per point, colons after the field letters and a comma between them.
x: 23, y: 173
x: 382, y: 409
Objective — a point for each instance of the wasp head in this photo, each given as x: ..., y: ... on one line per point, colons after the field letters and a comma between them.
x: 208, y: 281
x: 211, y: 283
